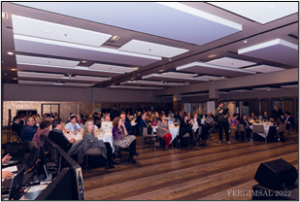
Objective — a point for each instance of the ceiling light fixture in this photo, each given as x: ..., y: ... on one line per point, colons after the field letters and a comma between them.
x: 115, y: 38
x: 5, y: 74
x: 4, y: 15
x: 83, y: 61
x: 161, y: 70
x: 10, y: 53
x: 245, y: 41
x: 211, y: 56
x: 15, y: 78
x: 13, y: 70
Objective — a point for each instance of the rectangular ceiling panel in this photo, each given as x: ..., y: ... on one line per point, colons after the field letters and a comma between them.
x: 203, y: 68
x: 35, y: 82
x: 39, y: 75
x: 112, y: 68
x: 264, y: 69
x: 136, y: 87
x: 276, y: 50
x: 211, y: 78
x: 179, y: 74
x: 53, y: 31
x: 91, y: 78
x: 230, y: 62
x: 62, y: 49
x: 148, y: 48
x: 196, y: 26
x: 45, y: 61
x: 160, y: 77
x: 262, y: 12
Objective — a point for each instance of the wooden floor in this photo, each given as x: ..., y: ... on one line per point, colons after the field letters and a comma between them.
x: 206, y: 173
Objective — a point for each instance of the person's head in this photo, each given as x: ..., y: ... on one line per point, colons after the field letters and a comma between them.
x: 185, y: 116
x: 156, y: 114
x: 209, y: 114
x: 244, y: 116
x: 189, y: 115
x: 78, y: 118
x: 195, y: 116
x: 45, y: 115
x: 265, y: 114
x: 37, y: 120
x: 88, y: 127
x: 16, y: 119
x: 45, y: 125
x: 287, y: 113
x: 115, y: 107
x: 252, y: 114
x: 73, y: 119
x: 117, y: 122
x: 162, y: 116
x: 57, y: 124
x: 175, y: 113
x: 33, y: 116
x: 144, y: 116
x: 180, y: 113
x: 170, y: 111
x: 30, y: 121
x: 107, y: 118
x: 276, y: 108
x: 203, y: 112
x: 92, y: 112
x: 221, y: 104
x: 56, y: 116
x: 123, y: 117
x: 235, y: 115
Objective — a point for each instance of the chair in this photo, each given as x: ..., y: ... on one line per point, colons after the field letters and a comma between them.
x: 198, y: 135
x: 259, y: 129
x: 32, y: 144
x: 187, y: 135
x: 93, y: 152
x: 242, y: 130
x: 272, y: 131
x: 146, y: 135
x: 160, y: 136
x: 282, y: 130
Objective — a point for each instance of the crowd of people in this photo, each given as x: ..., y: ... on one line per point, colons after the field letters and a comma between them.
x: 30, y: 128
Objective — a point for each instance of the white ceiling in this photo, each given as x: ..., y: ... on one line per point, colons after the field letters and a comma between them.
x: 91, y: 78
x: 39, y: 75
x: 148, y: 48
x: 230, y: 62
x: 160, y: 76
x: 36, y: 82
x: 266, y: 88
x: 57, y: 32
x: 136, y: 87
x: 264, y: 69
x: 210, y: 78
x: 262, y: 12
x: 179, y: 75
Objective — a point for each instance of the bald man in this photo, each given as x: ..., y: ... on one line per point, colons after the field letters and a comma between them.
x: 28, y: 130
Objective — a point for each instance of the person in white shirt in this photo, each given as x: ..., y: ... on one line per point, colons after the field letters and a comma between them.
x: 196, y: 121
x: 106, y: 125
x: 72, y: 125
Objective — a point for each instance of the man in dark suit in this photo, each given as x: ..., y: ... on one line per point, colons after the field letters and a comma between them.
x: 114, y: 113
x: 277, y: 114
x: 28, y: 130
x: 289, y: 121
x: 203, y: 115
x: 16, y: 126
x: 144, y: 124
x: 57, y: 136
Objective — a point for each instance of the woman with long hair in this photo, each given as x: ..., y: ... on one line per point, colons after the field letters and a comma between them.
x: 123, y: 140
x: 186, y: 127
x: 163, y: 126
x: 91, y: 141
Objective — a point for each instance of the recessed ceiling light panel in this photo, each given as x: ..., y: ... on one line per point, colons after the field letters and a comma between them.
x: 112, y: 68
x: 39, y: 75
x: 262, y: 12
x: 57, y: 32
x: 45, y: 61
x: 179, y: 74
x: 91, y: 78
x: 264, y: 69
x: 230, y: 62
x: 148, y: 48
x: 35, y: 82
x: 211, y: 78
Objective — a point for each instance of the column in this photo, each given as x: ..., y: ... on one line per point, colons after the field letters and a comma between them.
x: 177, y: 102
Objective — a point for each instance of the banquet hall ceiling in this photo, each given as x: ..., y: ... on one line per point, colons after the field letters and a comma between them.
x: 178, y: 44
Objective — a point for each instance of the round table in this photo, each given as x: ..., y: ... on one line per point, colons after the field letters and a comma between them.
x: 107, y: 137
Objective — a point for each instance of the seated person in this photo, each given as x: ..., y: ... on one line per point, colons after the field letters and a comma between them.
x: 57, y: 136
x: 72, y: 126
x: 6, y: 174
x: 106, y: 125
x: 16, y: 126
x: 289, y: 121
x: 155, y: 119
x: 143, y: 124
x: 28, y: 130
x: 37, y: 122
x: 123, y: 140
x: 44, y: 130
x: 210, y: 121
x: 163, y: 126
x: 246, y: 124
x: 265, y: 117
x: 203, y: 115
x: 127, y: 124
x: 89, y: 141
x: 252, y: 118
x: 234, y: 121
x: 186, y: 127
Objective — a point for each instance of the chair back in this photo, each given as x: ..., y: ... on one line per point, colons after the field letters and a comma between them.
x: 258, y: 129
x: 241, y: 128
x: 282, y: 128
x: 272, y: 131
x: 145, y: 131
x: 32, y: 144
x: 159, y: 132
x: 200, y: 130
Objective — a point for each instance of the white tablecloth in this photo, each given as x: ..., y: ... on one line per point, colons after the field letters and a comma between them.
x: 266, y: 128
x: 107, y: 137
x: 133, y: 123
